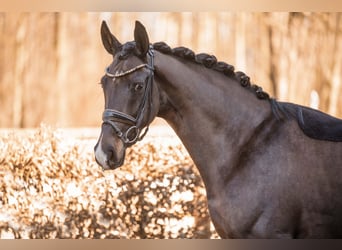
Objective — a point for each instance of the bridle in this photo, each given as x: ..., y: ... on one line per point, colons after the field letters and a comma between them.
x: 111, y: 116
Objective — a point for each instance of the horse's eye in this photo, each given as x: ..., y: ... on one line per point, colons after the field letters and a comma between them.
x: 138, y: 86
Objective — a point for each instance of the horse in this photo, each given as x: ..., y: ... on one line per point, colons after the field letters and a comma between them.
x: 271, y: 169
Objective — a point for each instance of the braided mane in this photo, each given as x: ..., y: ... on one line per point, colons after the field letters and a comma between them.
x: 210, y: 61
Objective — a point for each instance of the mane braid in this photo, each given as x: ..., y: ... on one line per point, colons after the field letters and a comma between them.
x: 210, y: 61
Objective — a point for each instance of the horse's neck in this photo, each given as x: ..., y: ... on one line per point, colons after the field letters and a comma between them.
x: 212, y: 114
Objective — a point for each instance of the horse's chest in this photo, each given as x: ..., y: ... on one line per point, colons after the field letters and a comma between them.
x: 239, y: 218
x: 224, y: 218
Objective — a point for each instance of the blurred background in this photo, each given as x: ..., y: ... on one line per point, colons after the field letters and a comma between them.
x: 51, y: 63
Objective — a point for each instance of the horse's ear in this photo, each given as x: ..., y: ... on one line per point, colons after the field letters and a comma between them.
x: 109, y: 41
x: 141, y: 39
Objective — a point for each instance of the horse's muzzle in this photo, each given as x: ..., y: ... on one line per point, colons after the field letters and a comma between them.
x: 107, y: 157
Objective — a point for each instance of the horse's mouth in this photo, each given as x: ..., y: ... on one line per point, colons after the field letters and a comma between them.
x: 111, y: 164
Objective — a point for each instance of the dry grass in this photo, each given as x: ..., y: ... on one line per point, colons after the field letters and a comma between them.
x: 51, y: 187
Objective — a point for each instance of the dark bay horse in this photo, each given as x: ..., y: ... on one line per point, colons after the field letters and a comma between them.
x: 271, y: 169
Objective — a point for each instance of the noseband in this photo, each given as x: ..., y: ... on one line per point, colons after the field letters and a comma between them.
x: 110, y: 116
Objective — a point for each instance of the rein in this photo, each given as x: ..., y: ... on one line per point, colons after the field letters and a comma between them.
x: 111, y: 116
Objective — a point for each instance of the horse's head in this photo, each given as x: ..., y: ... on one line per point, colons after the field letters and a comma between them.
x: 131, y: 97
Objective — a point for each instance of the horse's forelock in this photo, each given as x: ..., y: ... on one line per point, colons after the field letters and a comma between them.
x: 126, y: 50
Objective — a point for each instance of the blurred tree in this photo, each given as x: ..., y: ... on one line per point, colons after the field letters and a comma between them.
x: 50, y: 62
x: 306, y: 58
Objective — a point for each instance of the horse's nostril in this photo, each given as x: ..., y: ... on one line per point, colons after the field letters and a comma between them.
x: 111, y: 156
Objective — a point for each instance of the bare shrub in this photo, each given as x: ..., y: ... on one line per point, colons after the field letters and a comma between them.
x: 51, y: 187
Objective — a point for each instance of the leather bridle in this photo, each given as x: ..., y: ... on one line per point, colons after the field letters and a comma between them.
x: 111, y: 116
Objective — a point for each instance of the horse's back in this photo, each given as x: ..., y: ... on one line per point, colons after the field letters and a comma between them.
x: 314, y: 123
